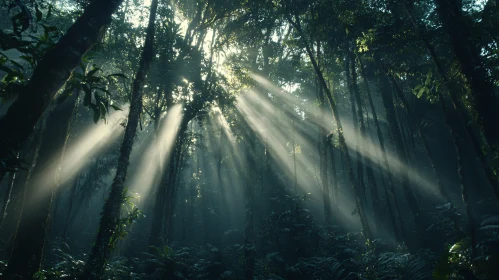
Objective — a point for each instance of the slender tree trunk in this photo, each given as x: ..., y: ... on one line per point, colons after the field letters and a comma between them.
x: 360, y: 127
x: 30, y: 240
x: 295, y: 175
x: 71, y: 202
x: 341, y: 138
x: 490, y: 172
x: 50, y: 75
x: 371, y: 180
x: 10, y: 224
x: 249, y: 240
x: 399, y: 146
x: 468, y: 54
x: 450, y: 123
x: 111, y: 213
x: 163, y: 204
x: 334, y: 174
x: 171, y: 201
x: 323, y: 152
x: 393, y: 211
x: 441, y: 189
x: 7, y: 195
x: 355, y: 120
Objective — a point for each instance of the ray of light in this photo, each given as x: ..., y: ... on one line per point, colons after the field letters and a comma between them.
x: 367, y: 147
x: 264, y: 118
x: 372, y: 152
x: 78, y: 154
x: 157, y: 154
x: 276, y: 131
x: 222, y: 122
x: 315, y: 112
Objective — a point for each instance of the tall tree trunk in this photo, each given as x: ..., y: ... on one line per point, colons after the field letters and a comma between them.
x: 249, y: 231
x: 417, y: 215
x: 355, y: 121
x: 172, y: 188
x: 393, y: 211
x: 323, y: 145
x: 10, y: 223
x: 111, y: 212
x: 29, y: 243
x: 50, y: 75
x: 7, y: 195
x: 451, y: 126
x: 163, y: 204
x: 429, y: 154
x: 490, y: 172
x: 467, y: 53
x: 371, y: 180
x: 334, y: 174
x: 346, y: 154
x: 71, y: 202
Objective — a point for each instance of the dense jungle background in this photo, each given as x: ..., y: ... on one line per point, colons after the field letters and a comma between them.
x: 249, y: 139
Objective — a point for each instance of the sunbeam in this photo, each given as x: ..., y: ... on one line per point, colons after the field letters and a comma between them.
x: 372, y: 152
x: 153, y: 160
x: 77, y: 154
x: 366, y: 146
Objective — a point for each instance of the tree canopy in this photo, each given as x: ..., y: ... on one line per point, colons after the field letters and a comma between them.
x: 264, y: 139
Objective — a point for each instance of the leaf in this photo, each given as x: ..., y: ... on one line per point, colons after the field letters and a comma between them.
x: 116, y: 107
x: 117, y: 75
x: 11, y: 77
x: 49, y: 13
x: 39, y: 14
x: 490, y: 227
x: 28, y: 59
x: 420, y: 92
x: 96, y: 116
x: 103, y: 90
x: 93, y: 71
x: 6, y: 69
x: 494, y: 220
x: 102, y: 110
x: 49, y: 29
x: 17, y: 65
x: 87, y: 99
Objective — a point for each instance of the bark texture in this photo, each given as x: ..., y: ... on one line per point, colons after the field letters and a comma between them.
x: 49, y: 76
x: 111, y: 213
x: 458, y: 26
x: 30, y: 240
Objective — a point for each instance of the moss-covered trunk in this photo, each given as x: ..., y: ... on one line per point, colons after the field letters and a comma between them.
x: 111, y: 213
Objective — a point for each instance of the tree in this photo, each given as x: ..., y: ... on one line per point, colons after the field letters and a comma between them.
x: 49, y: 76
x: 31, y: 235
x: 111, y: 214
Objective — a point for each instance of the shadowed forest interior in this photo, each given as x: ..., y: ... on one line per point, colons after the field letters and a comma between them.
x: 249, y: 139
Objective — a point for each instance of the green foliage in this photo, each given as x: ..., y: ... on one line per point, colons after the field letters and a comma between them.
x: 69, y: 267
x: 318, y: 268
x: 95, y: 88
x: 428, y: 88
x: 130, y: 214
x: 456, y: 261
x: 30, y: 49
x: 396, y: 266
x: 185, y: 263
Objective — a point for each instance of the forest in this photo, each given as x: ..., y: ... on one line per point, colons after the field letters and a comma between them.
x: 249, y: 139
